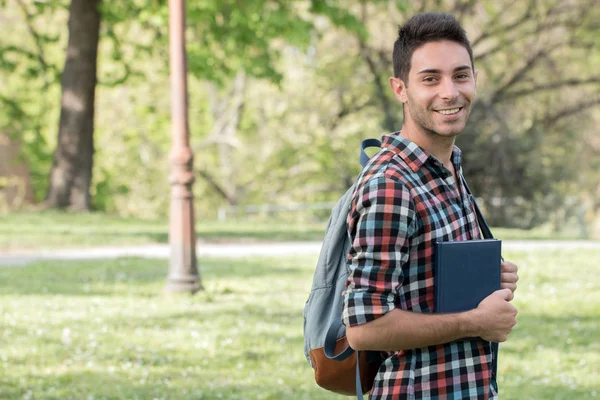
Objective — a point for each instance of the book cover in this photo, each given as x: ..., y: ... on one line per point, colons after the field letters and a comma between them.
x: 465, y: 273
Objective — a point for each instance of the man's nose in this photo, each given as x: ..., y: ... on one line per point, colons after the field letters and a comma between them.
x: 448, y: 90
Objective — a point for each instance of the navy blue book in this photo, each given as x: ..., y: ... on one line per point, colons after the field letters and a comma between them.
x: 465, y: 273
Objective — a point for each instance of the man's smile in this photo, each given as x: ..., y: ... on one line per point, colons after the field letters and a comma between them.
x: 450, y: 111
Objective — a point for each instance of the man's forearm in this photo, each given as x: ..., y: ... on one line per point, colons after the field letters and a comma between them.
x: 400, y: 330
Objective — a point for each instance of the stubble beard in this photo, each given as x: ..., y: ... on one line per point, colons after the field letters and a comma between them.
x: 423, y: 119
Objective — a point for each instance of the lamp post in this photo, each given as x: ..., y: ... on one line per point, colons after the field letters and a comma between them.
x: 183, y: 272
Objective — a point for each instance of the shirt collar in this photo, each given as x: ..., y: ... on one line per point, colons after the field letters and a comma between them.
x: 415, y: 156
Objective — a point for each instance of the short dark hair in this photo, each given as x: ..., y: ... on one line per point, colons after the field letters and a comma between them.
x: 421, y: 29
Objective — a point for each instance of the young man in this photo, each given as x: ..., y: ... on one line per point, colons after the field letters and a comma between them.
x: 408, y: 197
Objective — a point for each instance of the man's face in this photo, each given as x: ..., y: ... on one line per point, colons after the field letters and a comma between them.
x: 440, y: 90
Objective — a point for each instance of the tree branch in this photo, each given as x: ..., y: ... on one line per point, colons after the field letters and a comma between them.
x: 548, y: 86
x: 518, y: 75
x: 490, y: 32
x: 347, y: 110
x: 424, y: 6
x: 460, y: 8
x: 118, y: 55
x: 215, y: 185
x: 37, y: 39
x: 567, y: 112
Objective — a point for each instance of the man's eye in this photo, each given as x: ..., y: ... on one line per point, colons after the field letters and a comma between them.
x: 429, y: 79
x: 462, y: 76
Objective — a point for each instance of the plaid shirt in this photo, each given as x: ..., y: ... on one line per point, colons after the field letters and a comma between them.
x: 406, y: 200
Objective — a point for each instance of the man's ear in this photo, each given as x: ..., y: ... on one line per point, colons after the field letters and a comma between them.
x: 399, y: 89
x: 475, y: 76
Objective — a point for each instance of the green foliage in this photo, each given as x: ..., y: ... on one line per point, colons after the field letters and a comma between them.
x: 102, y: 329
x: 313, y: 85
x: 29, y: 72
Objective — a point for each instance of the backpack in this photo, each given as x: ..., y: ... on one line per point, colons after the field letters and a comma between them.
x: 325, y: 345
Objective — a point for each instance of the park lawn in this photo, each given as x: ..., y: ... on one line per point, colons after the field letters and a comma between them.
x: 27, y: 231
x: 103, y: 330
x: 47, y: 230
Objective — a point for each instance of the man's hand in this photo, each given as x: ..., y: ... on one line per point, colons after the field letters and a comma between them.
x: 495, y: 317
x: 509, y: 277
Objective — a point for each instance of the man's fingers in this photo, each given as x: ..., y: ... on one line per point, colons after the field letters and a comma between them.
x: 507, y: 266
x: 510, y: 286
x: 508, y: 277
x: 512, y: 296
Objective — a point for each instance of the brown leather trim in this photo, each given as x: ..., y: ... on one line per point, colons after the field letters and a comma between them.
x: 340, y: 376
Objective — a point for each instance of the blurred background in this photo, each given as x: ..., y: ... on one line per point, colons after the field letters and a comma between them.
x: 281, y: 94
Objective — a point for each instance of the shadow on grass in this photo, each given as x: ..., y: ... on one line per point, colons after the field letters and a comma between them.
x: 104, y: 237
x: 270, y: 235
x: 133, y: 276
x: 204, y: 385
x: 57, y: 230
x: 103, y: 385
x: 230, y: 312
x: 77, y: 236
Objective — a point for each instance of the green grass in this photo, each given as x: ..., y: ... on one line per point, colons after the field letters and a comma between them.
x: 103, y: 330
x: 51, y: 230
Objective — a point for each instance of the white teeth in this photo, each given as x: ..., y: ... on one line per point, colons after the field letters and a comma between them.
x: 449, y: 112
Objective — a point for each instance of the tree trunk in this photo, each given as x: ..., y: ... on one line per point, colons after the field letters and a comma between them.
x: 71, y: 173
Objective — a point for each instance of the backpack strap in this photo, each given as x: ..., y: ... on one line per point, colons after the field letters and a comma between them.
x: 329, y: 350
x: 359, y: 391
x: 485, y: 228
x: 487, y: 234
x: 372, y: 142
x: 330, y: 341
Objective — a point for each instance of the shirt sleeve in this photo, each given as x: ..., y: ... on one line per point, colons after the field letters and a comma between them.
x: 381, y: 225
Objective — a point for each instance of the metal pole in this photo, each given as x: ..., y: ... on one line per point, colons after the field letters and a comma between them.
x: 183, y: 273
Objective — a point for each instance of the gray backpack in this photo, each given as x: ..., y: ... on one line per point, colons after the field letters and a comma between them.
x: 325, y: 345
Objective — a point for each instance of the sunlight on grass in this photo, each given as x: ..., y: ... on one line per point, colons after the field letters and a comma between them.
x: 104, y: 330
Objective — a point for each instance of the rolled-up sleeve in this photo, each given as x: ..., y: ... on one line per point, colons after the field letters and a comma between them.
x: 381, y: 223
